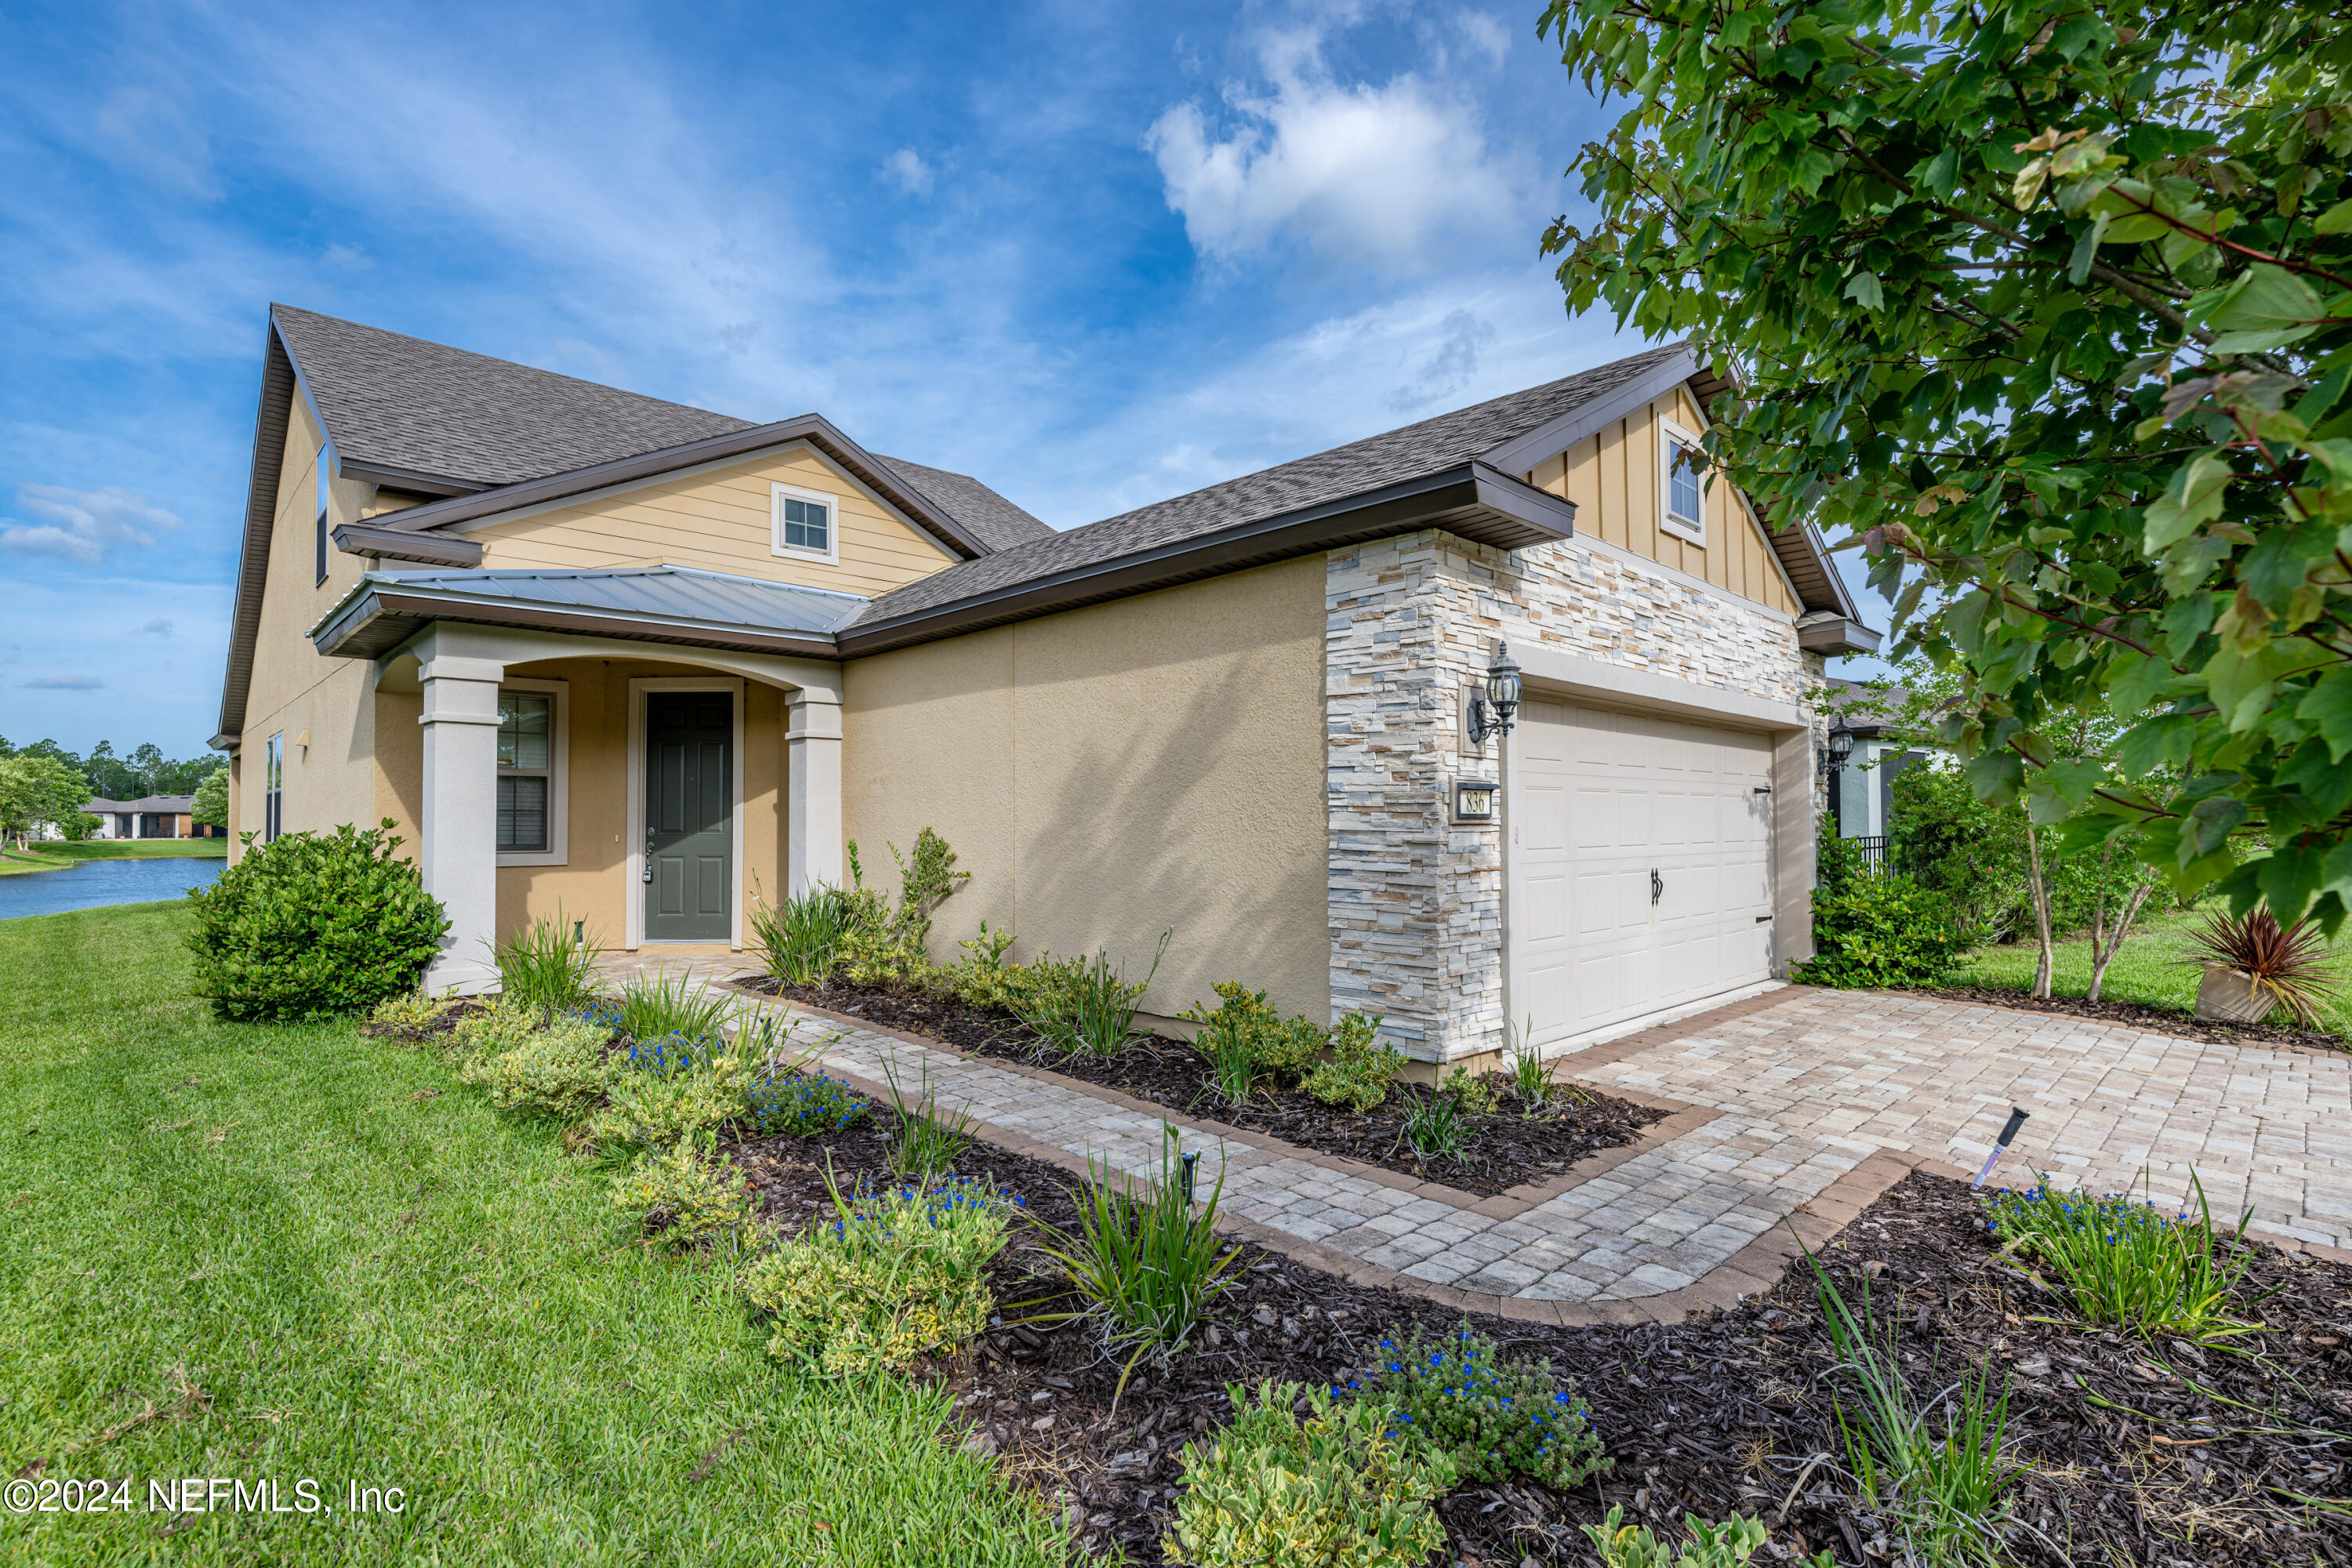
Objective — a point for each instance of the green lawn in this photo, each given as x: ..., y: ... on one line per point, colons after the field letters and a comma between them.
x: 2147, y: 970
x: 292, y: 1253
x: 130, y: 848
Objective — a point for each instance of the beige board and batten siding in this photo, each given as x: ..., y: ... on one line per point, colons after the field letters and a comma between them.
x: 1151, y: 763
x: 719, y: 521
x: 1614, y: 477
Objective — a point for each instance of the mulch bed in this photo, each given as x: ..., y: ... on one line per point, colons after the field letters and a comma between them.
x: 1507, y: 1150
x: 2140, y: 1016
x: 2158, y: 1455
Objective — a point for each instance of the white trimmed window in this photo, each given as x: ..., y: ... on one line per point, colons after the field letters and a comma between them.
x: 1682, y: 483
x: 532, y: 718
x: 273, y: 789
x: 807, y: 524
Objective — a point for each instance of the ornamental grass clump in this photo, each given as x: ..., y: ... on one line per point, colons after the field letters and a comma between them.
x: 1438, y: 1124
x: 2289, y: 964
x: 897, y: 1274
x: 682, y: 1200
x: 802, y: 1105
x: 559, y: 1068
x: 670, y: 1019
x: 1361, y: 1071
x: 800, y: 940
x: 547, y: 966
x: 925, y: 1142
x: 1331, y: 1490
x: 1491, y: 1415
x: 1145, y: 1258
x: 2129, y: 1263
x: 1087, y: 1006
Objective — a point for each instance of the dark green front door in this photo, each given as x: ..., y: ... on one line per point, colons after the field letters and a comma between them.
x: 689, y: 809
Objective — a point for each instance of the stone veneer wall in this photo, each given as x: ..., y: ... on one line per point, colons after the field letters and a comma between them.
x: 1416, y: 903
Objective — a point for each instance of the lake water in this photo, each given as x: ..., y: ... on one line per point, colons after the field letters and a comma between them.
x: 95, y: 882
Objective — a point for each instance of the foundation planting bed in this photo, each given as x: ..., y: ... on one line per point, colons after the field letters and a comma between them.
x: 1508, y: 1149
x: 2139, y: 1015
x: 2137, y: 1453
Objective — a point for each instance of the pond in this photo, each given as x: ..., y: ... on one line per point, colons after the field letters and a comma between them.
x: 88, y: 885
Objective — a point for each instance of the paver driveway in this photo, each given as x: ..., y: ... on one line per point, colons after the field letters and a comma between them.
x: 1806, y: 1085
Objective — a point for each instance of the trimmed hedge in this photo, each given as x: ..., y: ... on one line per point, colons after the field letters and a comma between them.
x: 1876, y: 928
x: 309, y: 925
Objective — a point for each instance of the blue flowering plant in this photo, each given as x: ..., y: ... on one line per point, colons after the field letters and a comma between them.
x: 1491, y: 1415
x: 2127, y: 1262
x: 802, y: 1105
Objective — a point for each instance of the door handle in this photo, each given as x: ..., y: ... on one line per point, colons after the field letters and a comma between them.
x: 1657, y: 888
x: 650, y: 856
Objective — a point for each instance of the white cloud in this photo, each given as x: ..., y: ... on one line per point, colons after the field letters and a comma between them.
x: 83, y: 524
x: 152, y: 132
x: 156, y: 626
x: 65, y: 683
x: 1400, y: 175
x: 906, y: 169
x: 1485, y: 35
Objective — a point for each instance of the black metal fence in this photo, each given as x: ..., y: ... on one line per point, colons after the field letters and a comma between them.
x: 1873, y: 849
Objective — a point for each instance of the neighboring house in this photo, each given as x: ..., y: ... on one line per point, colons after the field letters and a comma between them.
x: 149, y: 816
x: 643, y: 664
x: 1862, y: 791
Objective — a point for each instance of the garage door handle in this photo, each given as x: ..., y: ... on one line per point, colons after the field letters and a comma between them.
x: 1657, y: 888
x: 1761, y: 919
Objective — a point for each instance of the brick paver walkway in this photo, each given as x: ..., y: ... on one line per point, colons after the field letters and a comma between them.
x: 1807, y: 1104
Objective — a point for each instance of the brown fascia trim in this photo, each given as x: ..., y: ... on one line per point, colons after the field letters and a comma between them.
x: 1822, y: 631
x: 813, y: 428
x: 412, y: 480
x: 382, y: 620
x: 373, y: 539
x: 1470, y: 500
x: 1522, y: 453
x: 269, y: 426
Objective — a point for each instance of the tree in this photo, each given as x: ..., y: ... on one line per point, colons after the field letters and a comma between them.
x: 148, y: 764
x: 37, y: 789
x: 211, y: 808
x: 2049, y: 305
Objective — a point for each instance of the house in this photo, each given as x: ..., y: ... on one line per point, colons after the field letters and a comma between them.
x: 644, y: 665
x: 149, y: 816
x: 1862, y: 785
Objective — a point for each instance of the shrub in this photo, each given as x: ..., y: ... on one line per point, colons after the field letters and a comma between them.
x: 653, y: 1110
x: 1144, y: 1259
x: 1331, y: 1490
x: 980, y: 977
x: 800, y: 940
x: 1087, y: 1006
x: 1361, y: 1068
x: 412, y: 1015
x: 1243, y: 1023
x: 1877, y: 928
x: 545, y: 966
x: 802, y: 1105
x: 886, y: 948
x: 309, y: 925
x: 2287, y: 964
x: 492, y: 1030
x: 1727, y: 1545
x: 563, y: 1069
x: 898, y: 1274
x: 2127, y: 1263
x: 682, y: 1200
x: 1491, y: 1415
x: 1973, y: 855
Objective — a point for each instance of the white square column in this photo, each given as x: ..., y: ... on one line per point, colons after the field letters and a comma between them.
x: 811, y: 791
x: 459, y: 852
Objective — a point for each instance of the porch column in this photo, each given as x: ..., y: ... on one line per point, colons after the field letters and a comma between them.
x: 811, y: 791
x: 459, y: 852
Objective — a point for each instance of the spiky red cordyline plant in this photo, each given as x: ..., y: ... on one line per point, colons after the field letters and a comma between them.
x: 2289, y: 962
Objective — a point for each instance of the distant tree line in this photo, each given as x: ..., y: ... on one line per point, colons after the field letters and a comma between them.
x: 146, y: 771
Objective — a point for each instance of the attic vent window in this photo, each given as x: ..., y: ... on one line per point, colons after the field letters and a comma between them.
x: 803, y: 525
x: 1682, y: 488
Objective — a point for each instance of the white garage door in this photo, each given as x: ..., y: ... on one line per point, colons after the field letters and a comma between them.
x: 1641, y: 865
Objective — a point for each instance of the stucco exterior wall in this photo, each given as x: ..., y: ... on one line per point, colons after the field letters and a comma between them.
x: 1417, y: 902
x: 1112, y: 771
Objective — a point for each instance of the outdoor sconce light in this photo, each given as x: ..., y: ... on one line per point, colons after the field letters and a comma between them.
x: 1473, y: 800
x: 1839, y: 747
x: 1491, y: 709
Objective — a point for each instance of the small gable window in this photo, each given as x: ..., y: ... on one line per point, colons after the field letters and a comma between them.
x: 1682, y: 483
x: 804, y: 524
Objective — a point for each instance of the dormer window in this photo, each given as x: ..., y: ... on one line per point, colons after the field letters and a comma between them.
x: 804, y: 524
x: 1682, y: 483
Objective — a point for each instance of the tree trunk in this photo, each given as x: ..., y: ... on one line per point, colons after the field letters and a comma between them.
x: 2102, y: 954
x: 2039, y: 890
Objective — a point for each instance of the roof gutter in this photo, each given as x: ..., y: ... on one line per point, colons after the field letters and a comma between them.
x: 399, y: 544
x: 1471, y: 500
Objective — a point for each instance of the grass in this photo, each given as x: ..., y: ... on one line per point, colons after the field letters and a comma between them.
x: 2146, y: 970
x: 291, y: 1252
x: 132, y: 849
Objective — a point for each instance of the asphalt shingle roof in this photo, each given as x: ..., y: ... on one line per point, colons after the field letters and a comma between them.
x: 1426, y: 447
x: 397, y: 402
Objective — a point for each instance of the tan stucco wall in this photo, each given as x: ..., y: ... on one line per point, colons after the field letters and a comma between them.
x: 720, y: 521
x: 1105, y: 773
x: 1613, y: 477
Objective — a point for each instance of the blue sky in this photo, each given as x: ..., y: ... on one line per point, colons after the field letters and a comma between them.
x: 1095, y: 254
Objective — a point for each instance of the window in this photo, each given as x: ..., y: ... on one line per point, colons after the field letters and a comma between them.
x: 1682, y: 483
x: 322, y: 536
x: 804, y: 524
x: 273, y: 783
x: 531, y: 773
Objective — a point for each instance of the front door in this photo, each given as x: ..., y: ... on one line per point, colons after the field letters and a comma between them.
x: 690, y: 812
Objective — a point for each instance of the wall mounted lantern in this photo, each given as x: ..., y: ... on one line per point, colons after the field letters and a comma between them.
x: 1473, y: 800
x: 1491, y: 709
x: 1840, y: 746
